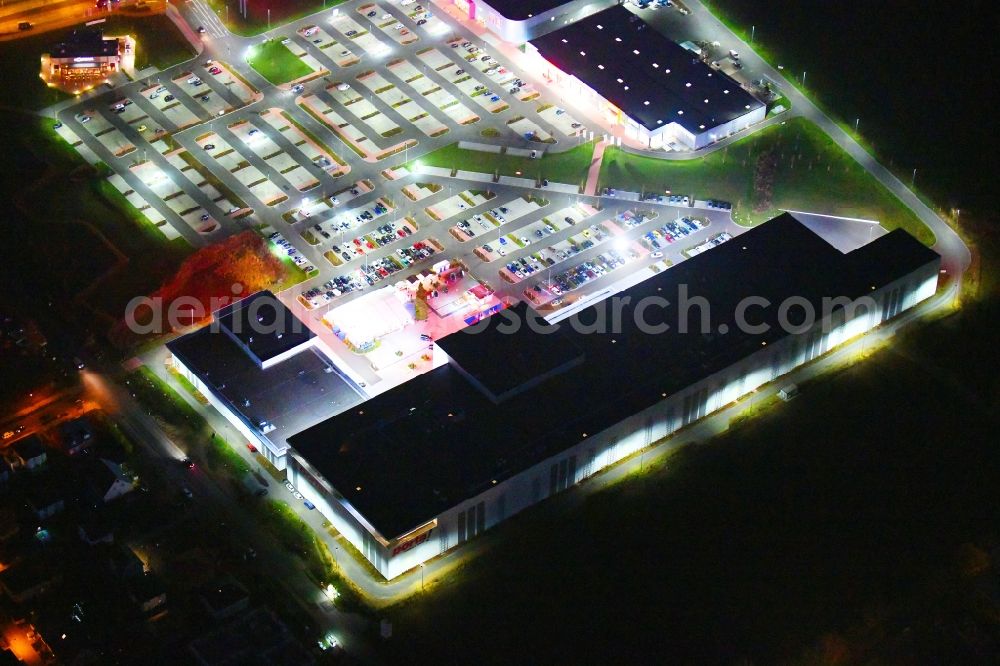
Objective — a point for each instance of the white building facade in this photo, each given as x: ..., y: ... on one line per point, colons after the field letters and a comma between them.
x: 470, y: 518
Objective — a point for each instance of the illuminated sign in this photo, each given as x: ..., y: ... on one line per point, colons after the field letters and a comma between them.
x: 84, y: 59
x: 415, y: 541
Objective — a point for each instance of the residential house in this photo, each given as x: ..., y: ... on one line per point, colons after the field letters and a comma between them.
x: 76, y: 435
x: 224, y: 598
x: 44, y: 497
x: 27, y: 453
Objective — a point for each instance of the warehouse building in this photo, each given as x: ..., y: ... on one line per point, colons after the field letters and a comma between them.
x: 520, y: 413
x: 657, y: 90
x: 517, y: 416
x: 518, y: 21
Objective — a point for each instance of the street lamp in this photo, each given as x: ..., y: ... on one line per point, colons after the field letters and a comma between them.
x: 421, y: 577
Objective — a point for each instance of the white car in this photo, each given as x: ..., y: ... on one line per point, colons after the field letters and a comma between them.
x: 398, y: 26
x: 298, y: 87
x: 343, y: 86
x: 406, y: 2
x: 193, y: 80
x: 656, y: 255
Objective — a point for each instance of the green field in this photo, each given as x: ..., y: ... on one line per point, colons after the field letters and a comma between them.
x: 813, y: 175
x: 793, y: 538
x: 566, y: 167
x: 276, y: 63
x: 57, y: 196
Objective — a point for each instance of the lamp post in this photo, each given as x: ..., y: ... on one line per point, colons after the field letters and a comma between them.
x: 753, y: 29
x: 421, y: 577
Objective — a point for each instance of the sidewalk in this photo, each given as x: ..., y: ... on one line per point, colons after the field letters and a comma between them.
x: 594, y: 173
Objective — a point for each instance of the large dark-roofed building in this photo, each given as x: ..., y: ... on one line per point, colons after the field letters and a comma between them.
x: 668, y: 95
x: 520, y: 20
x: 519, y: 358
x: 427, y: 465
x: 268, y: 377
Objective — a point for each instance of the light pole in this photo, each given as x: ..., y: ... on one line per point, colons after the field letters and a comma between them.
x: 421, y: 577
x: 856, y: 122
x: 913, y: 179
x: 753, y: 29
x: 803, y: 78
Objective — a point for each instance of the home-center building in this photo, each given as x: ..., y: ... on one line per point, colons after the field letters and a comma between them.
x: 520, y: 413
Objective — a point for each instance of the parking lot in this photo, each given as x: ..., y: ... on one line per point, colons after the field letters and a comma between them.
x: 210, y: 147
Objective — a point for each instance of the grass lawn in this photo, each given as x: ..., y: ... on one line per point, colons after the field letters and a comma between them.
x: 813, y: 174
x: 567, y: 167
x: 56, y: 195
x: 158, y: 43
x: 276, y: 63
x: 256, y: 20
x: 791, y: 539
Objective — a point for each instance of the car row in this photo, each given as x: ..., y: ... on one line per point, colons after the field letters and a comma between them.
x: 292, y: 253
x: 380, y: 237
x: 718, y: 204
x: 670, y: 232
x: 717, y: 239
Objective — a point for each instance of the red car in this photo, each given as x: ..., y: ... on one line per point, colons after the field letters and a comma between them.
x: 251, y: 448
x: 215, y: 70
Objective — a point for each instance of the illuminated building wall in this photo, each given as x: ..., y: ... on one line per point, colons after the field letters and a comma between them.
x: 521, y: 30
x: 596, y: 451
x: 576, y: 92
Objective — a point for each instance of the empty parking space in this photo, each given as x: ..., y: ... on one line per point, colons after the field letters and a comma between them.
x: 387, y: 24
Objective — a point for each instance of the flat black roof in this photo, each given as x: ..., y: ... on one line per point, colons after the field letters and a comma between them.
x: 291, y: 395
x: 519, y: 10
x: 517, y: 356
x: 85, y: 43
x: 416, y: 450
x: 262, y: 326
x: 652, y: 79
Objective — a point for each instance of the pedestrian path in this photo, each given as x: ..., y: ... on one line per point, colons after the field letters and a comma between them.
x: 594, y: 174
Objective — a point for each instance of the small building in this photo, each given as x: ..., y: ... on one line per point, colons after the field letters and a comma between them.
x: 44, y: 496
x: 9, y: 524
x: 256, y: 637
x: 125, y: 564
x: 27, y: 453
x: 28, y: 579
x: 224, y: 598
x: 75, y: 435
x: 95, y: 528
x: 86, y: 59
x: 106, y: 480
x: 147, y: 592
